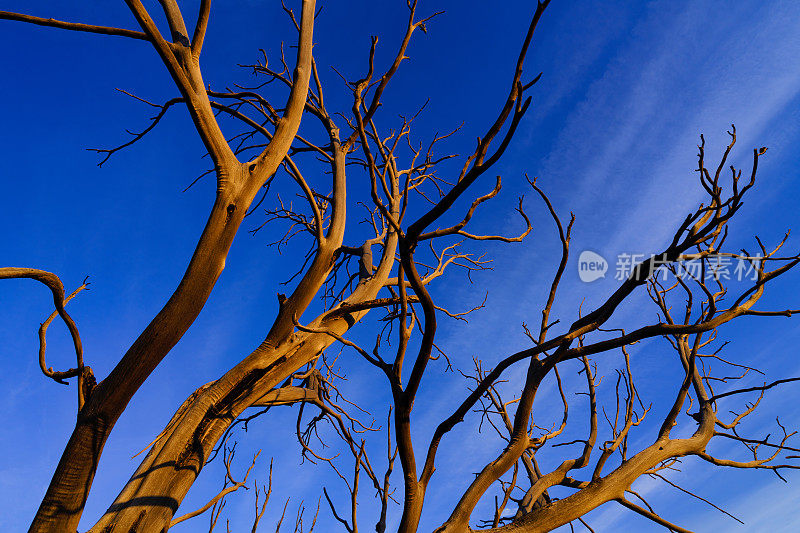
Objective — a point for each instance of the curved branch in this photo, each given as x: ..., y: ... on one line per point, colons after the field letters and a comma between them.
x: 457, y: 229
x: 57, y: 376
x: 57, y: 288
x: 138, y: 136
x: 75, y: 26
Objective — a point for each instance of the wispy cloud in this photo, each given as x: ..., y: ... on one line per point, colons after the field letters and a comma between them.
x: 624, y: 158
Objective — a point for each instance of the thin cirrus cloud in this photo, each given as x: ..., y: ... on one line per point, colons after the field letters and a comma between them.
x: 698, y: 73
x: 668, y: 73
x: 636, y: 129
x: 624, y: 158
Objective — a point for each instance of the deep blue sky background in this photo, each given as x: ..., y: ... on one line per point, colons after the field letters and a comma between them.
x: 627, y: 89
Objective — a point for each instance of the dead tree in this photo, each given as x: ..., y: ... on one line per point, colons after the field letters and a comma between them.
x: 416, y: 233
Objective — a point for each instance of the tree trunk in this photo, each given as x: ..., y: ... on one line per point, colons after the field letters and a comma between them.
x: 157, y: 488
x: 65, y: 498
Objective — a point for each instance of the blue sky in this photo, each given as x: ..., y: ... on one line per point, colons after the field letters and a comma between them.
x: 626, y: 91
